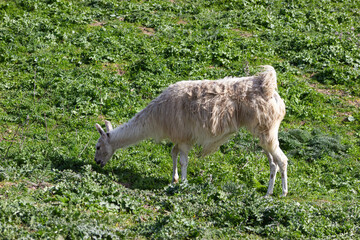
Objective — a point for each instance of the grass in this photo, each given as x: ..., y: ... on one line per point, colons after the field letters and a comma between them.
x: 66, y: 65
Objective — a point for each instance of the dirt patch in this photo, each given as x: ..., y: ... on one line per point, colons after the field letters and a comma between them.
x: 330, y: 92
x: 97, y: 24
x: 343, y: 114
x: 354, y: 102
x: 323, y: 201
x: 114, y: 67
x: 101, y: 118
x: 126, y: 185
x: 41, y: 185
x: 28, y: 184
x: 147, y: 31
x: 181, y: 21
x: 7, y: 184
x: 243, y: 34
x: 9, y: 135
x: 345, y: 96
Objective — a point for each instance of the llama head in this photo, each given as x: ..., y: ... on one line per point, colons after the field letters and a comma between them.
x: 104, y: 150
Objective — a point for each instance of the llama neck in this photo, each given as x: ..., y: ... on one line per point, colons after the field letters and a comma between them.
x: 128, y: 134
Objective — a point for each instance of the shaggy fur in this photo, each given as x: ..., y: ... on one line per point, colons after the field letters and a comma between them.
x: 207, y: 113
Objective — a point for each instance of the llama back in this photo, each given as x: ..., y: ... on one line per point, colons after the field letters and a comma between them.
x: 210, y: 111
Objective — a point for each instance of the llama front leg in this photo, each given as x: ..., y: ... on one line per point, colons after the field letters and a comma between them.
x: 273, y: 170
x: 184, y: 163
x: 184, y: 151
x: 174, y: 156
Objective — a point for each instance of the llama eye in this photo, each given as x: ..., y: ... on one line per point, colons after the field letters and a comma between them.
x: 97, y: 148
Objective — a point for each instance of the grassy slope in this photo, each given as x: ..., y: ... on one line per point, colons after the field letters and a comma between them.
x: 68, y: 64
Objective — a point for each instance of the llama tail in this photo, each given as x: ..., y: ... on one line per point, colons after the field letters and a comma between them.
x: 269, y: 82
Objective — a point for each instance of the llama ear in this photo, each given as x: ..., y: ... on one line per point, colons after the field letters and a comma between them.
x: 100, y: 130
x: 108, y: 126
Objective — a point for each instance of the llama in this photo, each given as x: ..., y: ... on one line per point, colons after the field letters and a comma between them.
x: 207, y: 113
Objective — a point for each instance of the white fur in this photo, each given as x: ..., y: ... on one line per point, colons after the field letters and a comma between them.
x: 206, y: 113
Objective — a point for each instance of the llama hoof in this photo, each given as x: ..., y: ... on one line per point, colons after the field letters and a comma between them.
x: 184, y: 182
x: 284, y: 194
x: 175, y: 179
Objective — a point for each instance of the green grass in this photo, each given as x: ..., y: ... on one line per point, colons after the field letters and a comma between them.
x: 66, y: 65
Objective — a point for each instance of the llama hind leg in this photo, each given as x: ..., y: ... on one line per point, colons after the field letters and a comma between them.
x: 273, y: 170
x: 282, y: 162
x: 277, y: 160
x: 174, y: 156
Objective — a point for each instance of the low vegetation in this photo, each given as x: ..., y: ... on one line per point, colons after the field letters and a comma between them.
x: 66, y: 65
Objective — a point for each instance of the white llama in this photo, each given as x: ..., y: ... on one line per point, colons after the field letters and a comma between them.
x: 206, y: 113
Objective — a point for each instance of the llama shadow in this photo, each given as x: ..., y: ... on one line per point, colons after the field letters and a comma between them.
x: 135, y: 180
x: 63, y: 162
x: 127, y: 177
